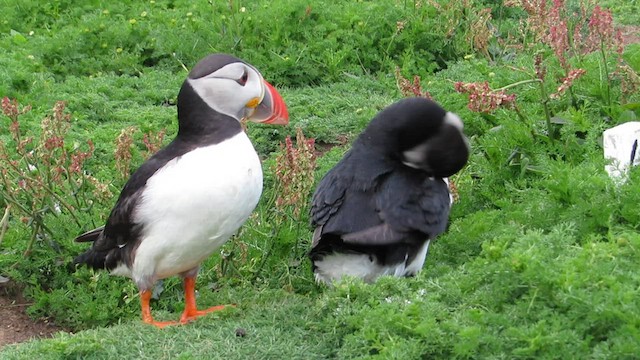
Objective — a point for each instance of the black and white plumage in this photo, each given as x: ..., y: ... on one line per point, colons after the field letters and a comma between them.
x: 377, y: 210
x: 190, y: 197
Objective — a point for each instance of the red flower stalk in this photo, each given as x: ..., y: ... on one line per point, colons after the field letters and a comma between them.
x: 537, y: 11
x: 601, y: 31
x: 43, y: 177
x: 153, y: 142
x: 559, y: 41
x: 53, y: 142
x: 78, y: 158
x: 619, y: 41
x: 100, y: 190
x: 124, y: 143
x: 56, y: 127
x: 483, y: 99
x: 408, y: 88
x: 7, y: 106
x: 567, y: 82
x: 558, y: 36
x: 11, y: 109
x: 541, y: 70
x: 481, y: 33
x: 629, y: 80
x: 294, y: 172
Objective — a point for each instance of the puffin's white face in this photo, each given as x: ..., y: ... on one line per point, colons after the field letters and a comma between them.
x: 235, y: 90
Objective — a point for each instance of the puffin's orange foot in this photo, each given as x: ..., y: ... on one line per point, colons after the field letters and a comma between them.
x: 192, y: 314
x: 161, y: 324
x: 145, y: 298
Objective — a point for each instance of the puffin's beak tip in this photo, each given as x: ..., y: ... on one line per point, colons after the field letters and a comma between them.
x: 279, y: 113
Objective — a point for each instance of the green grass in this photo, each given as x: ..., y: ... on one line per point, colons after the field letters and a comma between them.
x: 561, y: 288
x: 540, y: 258
x: 264, y: 316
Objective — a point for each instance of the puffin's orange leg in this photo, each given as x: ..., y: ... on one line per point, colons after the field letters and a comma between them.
x: 191, y: 312
x: 145, y: 298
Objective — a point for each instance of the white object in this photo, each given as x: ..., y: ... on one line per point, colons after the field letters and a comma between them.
x: 621, y: 149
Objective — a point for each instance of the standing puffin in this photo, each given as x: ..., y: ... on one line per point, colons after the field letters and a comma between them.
x: 377, y: 210
x: 185, y: 201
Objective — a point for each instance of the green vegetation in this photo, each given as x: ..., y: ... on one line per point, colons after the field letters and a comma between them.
x: 540, y: 259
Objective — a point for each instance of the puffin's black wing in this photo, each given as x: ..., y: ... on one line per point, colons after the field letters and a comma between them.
x: 408, y: 204
x: 328, y: 197
x: 344, y: 201
x: 109, y: 241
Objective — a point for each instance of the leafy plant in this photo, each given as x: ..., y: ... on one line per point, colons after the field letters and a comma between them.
x: 44, y: 176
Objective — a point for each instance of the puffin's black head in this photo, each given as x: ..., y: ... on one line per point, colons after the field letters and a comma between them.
x: 229, y: 86
x: 420, y: 134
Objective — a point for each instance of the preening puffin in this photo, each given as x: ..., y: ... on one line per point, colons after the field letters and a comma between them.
x: 376, y: 211
x: 185, y: 201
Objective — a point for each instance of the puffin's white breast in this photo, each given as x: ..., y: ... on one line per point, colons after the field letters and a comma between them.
x: 193, y: 204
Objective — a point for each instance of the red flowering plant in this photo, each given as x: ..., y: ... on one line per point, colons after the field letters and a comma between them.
x: 153, y: 142
x: 125, y: 146
x: 571, y: 35
x: 123, y: 152
x: 42, y: 176
x: 294, y: 173
x: 568, y: 81
x: 483, y: 99
x: 410, y: 88
x: 603, y: 37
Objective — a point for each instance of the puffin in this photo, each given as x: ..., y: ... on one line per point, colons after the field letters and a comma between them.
x: 190, y: 197
x: 376, y: 211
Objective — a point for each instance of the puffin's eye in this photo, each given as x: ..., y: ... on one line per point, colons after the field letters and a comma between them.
x: 243, y: 80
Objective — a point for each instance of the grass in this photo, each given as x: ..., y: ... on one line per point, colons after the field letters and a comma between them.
x: 454, y: 311
x: 266, y: 323
x: 540, y: 257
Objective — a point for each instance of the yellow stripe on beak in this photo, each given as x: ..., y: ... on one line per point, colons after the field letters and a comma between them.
x: 253, y: 103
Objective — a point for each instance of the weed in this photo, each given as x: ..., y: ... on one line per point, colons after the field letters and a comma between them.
x: 483, y: 99
x: 124, y: 144
x: 153, y: 142
x: 44, y: 178
x: 294, y: 173
x: 408, y: 88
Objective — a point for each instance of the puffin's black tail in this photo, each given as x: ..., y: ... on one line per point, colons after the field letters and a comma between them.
x: 96, y: 258
x: 90, y: 236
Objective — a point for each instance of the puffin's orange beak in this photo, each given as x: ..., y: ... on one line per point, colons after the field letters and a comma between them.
x: 272, y: 109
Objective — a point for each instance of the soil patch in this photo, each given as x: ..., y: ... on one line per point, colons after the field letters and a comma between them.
x: 16, y: 326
